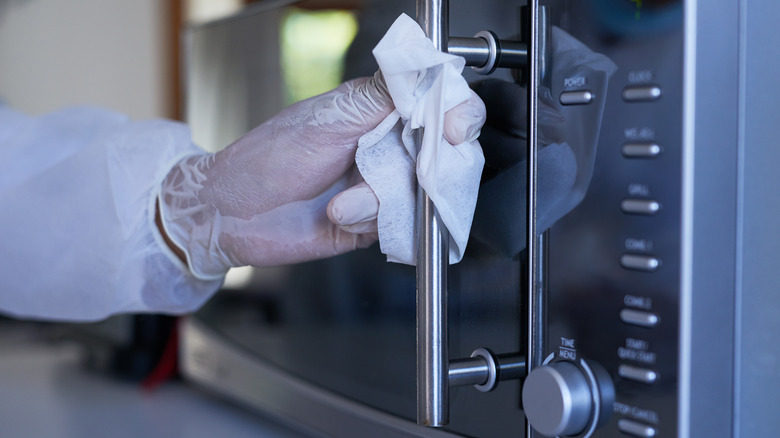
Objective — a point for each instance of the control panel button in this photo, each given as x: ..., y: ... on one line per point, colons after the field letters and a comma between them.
x: 640, y: 206
x: 636, y: 429
x: 641, y: 150
x: 643, y: 375
x: 576, y: 97
x: 638, y: 317
x: 639, y: 262
x: 641, y: 93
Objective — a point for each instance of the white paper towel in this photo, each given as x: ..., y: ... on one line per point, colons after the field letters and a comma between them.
x: 424, y: 83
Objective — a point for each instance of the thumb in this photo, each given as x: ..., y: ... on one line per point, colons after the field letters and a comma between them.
x: 355, y: 210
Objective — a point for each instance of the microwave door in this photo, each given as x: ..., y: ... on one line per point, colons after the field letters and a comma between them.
x: 564, y: 393
x: 330, y: 345
x: 617, y: 262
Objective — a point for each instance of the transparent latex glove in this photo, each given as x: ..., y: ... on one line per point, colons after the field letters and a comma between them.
x: 286, y: 192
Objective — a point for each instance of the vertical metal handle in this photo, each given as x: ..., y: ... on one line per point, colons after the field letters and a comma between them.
x: 432, y: 263
x: 537, y: 66
x: 432, y: 351
x: 433, y: 367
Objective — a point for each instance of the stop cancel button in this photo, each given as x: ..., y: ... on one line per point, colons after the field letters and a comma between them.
x: 636, y: 429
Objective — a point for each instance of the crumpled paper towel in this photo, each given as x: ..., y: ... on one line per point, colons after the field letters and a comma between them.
x: 424, y: 83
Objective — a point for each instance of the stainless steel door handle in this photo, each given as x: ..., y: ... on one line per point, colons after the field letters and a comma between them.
x: 432, y: 263
x: 483, y: 370
x: 539, y: 61
x: 432, y: 353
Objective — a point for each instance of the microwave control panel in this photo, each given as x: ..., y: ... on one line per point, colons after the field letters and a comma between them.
x: 612, y: 265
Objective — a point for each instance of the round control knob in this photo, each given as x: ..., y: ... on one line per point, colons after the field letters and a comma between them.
x: 564, y: 399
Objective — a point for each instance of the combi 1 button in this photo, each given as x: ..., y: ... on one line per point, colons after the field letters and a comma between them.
x: 639, y: 262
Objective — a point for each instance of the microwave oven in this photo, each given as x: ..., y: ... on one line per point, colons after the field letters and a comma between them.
x: 650, y: 309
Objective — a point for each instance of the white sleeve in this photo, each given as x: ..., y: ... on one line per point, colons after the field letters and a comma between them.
x: 78, y: 239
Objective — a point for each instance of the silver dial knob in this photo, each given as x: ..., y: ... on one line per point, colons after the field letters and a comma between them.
x: 564, y: 399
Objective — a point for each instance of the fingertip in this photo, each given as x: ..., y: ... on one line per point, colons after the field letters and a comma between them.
x: 463, y: 123
x: 355, y: 205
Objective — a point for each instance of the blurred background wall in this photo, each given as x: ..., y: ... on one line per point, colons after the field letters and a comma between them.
x: 117, y: 54
x: 109, y: 53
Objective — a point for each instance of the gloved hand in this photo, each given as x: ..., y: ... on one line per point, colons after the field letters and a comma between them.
x: 267, y: 198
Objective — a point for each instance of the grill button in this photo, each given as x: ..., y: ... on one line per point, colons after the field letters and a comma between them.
x: 640, y: 206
